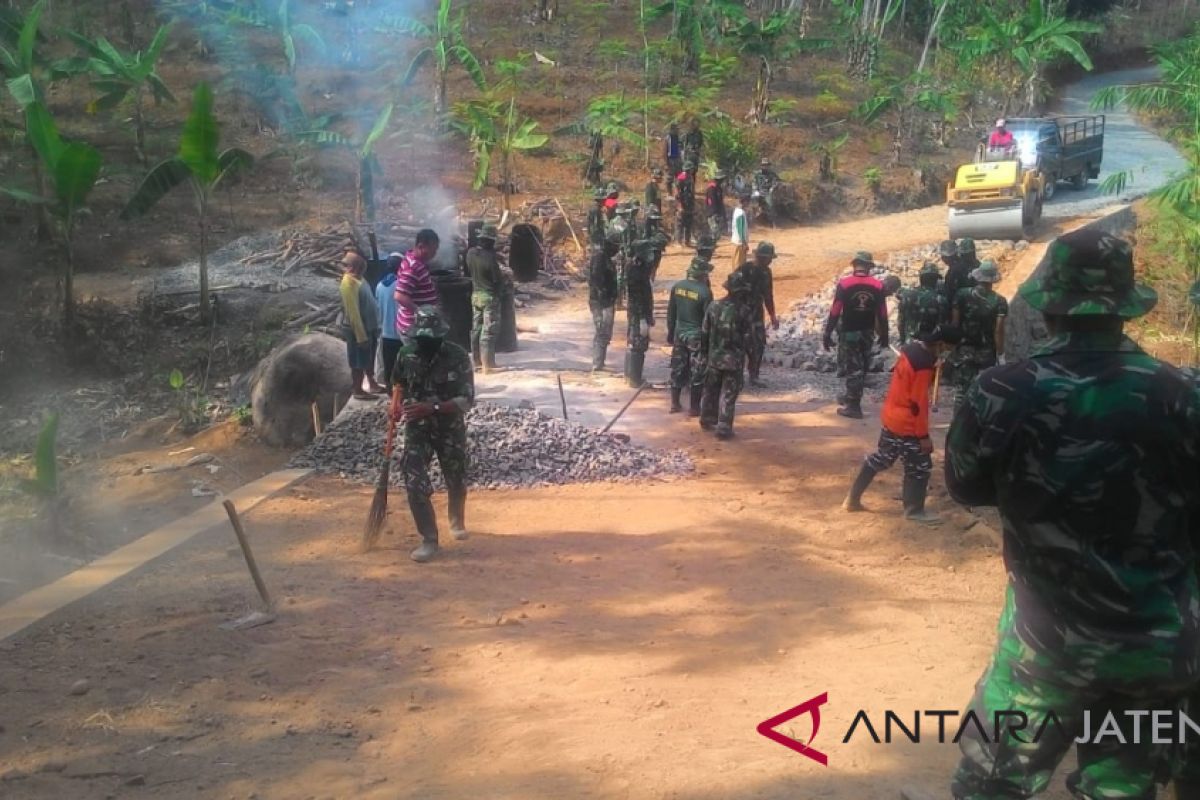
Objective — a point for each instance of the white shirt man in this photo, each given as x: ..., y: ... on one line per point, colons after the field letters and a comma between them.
x: 741, y: 232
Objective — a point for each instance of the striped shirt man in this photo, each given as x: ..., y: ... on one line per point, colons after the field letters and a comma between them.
x: 414, y: 285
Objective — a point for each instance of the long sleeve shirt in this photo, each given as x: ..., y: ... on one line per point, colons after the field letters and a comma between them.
x: 385, y: 300
x: 355, y: 325
x: 906, y: 407
x: 741, y: 228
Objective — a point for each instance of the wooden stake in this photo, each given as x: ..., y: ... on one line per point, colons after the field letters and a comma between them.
x: 316, y: 414
x: 236, y: 522
x: 570, y: 227
x: 562, y: 396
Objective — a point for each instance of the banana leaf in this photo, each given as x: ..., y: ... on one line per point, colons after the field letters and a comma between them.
x: 155, y: 186
x: 201, y: 132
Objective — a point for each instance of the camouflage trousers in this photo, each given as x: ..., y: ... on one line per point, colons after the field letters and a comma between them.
x: 917, y: 465
x: 718, y: 404
x: 965, y: 365
x: 854, y: 359
x: 637, y: 333
x: 758, y: 347
x: 716, y: 227
x: 422, y: 441
x: 687, y: 362
x: 602, y: 320
x: 684, y: 221
x: 485, y: 324
x: 1026, y: 677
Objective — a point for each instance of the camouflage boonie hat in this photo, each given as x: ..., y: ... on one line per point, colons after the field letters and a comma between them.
x: 429, y: 323
x: 966, y: 246
x: 612, y: 189
x: 705, y: 243
x: 863, y: 257
x: 699, y: 267
x: 929, y: 268
x: 736, y: 283
x: 487, y: 232
x: 1089, y: 273
x: 765, y: 249
x: 947, y: 248
x: 986, y: 272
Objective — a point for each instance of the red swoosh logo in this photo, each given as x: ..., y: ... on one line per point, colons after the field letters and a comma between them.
x: 812, y: 707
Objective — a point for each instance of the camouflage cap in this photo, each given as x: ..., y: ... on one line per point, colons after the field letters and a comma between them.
x: 429, y: 323
x: 488, y: 231
x: 966, y: 246
x: 765, y: 249
x: 986, y: 272
x: 699, y: 267
x: 705, y: 242
x: 929, y: 268
x: 947, y: 248
x: 737, y: 282
x: 1088, y: 273
x: 863, y: 257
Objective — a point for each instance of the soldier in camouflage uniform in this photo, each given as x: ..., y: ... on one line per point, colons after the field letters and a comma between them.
x: 762, y: 299
x: 652, y: 230
x: 979, y: 313
x: 639, y: 311
x: 858, y: 313
x: 597, y: 221
x: 437, y: 389
x: 685, y: 196
x: 624, y: 235
x: 602, y: 300
x: 688, y: 301
x: 653, y: 192
x: 693, y: 143
x: 486, y: 280
x: 726, y: 336
x: 923, y: 307
x: 1091, y: 451
x: 958, y: 274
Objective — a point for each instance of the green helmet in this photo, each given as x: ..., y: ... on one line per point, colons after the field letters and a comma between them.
x: 737, y: 283
x: 765, y: 249
x: 1089, y: 273
x: 966, y: 247
x: 429, y: 323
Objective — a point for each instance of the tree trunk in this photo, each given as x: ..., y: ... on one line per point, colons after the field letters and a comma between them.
x: 43, y: 216
x: 139, y: 124
x: 205, y: 304
x: 762, y: 93
x: 439, y: 100
x: 931, y: 33
x: 359, y: 205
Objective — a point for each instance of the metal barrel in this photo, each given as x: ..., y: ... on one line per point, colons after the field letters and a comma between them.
x: 525, y: 252
x: 455, y: 293
x: 506, y: 340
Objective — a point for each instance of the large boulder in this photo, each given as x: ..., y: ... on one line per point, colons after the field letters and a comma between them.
x: 302, y: 370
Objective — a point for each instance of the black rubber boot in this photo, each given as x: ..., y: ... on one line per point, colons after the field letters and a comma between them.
x: 853, y: 501
x: 676, y: 405
x: 426, y: 522
x: 914, y: 501
x: 634, y: 370
x: 694, y: 404
x: 852, y: 409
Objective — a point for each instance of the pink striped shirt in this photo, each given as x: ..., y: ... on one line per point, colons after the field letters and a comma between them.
x: 413, y: 279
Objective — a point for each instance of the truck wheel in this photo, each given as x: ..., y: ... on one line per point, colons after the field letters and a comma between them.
x: 1051, y: 184
x: 1080, y: 181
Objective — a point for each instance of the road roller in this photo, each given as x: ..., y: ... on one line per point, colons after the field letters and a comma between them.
x: 995, y: 198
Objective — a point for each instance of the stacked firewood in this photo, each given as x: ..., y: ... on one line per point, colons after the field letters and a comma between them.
x: 318, y: 251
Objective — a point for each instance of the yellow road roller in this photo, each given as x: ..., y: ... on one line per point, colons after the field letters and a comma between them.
x: 995, y: 198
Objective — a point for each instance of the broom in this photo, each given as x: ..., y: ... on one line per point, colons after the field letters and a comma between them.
x: 937, y: 384
x: 379, y: 504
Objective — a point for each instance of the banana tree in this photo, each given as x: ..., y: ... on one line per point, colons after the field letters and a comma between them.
x: 495, y: 133
x: 72, y: 168
x: 289, y: 32
x: 199, y: 164
x: 367, y: 164
x: 122, y: 77
x: 18, y: 63
x: 445, y: 42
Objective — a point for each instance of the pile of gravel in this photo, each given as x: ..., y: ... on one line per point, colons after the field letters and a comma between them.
x: 508, y: 447
x: 797, y: 343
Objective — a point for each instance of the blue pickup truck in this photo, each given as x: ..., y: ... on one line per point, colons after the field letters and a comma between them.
x: 1062, y: 148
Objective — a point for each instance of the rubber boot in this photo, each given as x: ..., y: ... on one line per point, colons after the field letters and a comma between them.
x: 914, y: 502
x: 457, y: 501
x: 852, y: 409
x: 599, y: 356
x: 637, y: 361
x: 426, y: 522
x: 694, y: 404
x: 489, y: 358
x: 853, y: 501
x: 676, y: 406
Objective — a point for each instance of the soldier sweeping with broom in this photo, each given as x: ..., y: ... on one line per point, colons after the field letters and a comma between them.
x: 434, y: 384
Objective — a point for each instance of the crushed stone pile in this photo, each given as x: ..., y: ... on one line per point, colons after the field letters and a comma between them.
x: 508, y: 447
x: 797, y: 343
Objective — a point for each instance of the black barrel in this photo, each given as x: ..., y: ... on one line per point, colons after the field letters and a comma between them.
x: 473, y: 228
x: 525, y: 252
x: 506, y: 338
x: 455, y: 293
